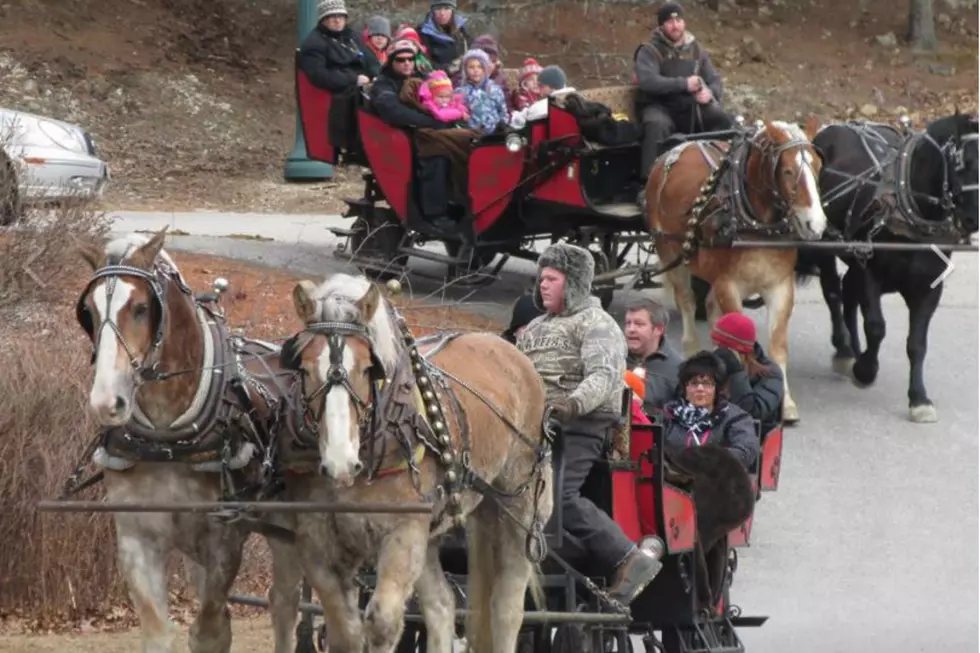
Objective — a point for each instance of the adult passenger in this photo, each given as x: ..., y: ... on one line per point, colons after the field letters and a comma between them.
x: 331, y: 55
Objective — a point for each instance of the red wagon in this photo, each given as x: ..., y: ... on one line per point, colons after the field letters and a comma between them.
x: 543, y: 182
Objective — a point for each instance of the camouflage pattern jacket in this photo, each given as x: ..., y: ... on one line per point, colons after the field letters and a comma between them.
x: 579, y: 353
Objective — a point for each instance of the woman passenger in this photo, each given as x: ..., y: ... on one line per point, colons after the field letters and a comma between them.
x: 755, y: 383
x: 443, y: 33
x: 702, y: 415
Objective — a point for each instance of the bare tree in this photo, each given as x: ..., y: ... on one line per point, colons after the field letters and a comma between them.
x: 922, y: 25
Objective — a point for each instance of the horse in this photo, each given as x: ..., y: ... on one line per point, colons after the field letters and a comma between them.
x: 707, y: 192
x: 882, y: 184
x: 186, y: 413
x: 458, y: 420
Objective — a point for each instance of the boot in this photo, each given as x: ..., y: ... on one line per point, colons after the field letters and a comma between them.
x: 639, y: 568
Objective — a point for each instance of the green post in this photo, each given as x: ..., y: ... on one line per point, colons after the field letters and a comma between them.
x: 298, y: 166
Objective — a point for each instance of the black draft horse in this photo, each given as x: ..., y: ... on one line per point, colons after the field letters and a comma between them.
x: 883, y: 184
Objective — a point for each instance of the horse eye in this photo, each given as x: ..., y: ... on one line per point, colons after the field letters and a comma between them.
x: 140, y: 311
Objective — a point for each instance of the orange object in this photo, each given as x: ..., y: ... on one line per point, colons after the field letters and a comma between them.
x: 636, y: 383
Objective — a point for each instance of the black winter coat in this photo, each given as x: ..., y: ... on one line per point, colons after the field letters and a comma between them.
x: 761, y: 397
x: 333, y: 60
x: 732, y: 428
x: 384, y: 99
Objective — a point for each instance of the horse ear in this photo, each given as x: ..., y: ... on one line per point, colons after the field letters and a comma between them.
x: 369, y: 303
x: 146, y: 255
x: 812, y: 126
x: 92, y: 255
x: 304, y: 301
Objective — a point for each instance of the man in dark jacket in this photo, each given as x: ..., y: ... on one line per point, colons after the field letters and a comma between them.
x: 580, y: 354
x: 650, y: 355
x: 332, y: 55
x: 384, y: 92
x: 679, y: 89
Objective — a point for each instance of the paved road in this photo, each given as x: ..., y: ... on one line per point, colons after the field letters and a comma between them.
x: 871, y: 542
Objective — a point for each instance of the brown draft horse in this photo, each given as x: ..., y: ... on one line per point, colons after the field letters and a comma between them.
x: 176, y: 429
x: 459, y: 422
x: 767, y: 186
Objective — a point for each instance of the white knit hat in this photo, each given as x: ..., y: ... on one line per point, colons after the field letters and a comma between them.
x: 330, y: 8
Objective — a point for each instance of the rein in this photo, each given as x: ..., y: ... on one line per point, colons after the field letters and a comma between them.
x: 897, y: 209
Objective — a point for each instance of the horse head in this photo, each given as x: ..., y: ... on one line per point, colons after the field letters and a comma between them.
x: 348, y: 347
x: 123, y: 309
x: 790, y: 167
x: 956, y: 138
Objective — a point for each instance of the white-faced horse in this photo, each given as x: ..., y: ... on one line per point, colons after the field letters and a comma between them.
x: 458, y: 422
x: 764, y: 185
x: 186, y: 411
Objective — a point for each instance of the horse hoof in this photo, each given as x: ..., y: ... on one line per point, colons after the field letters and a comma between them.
x: 864, y: 373
x: 924, y: 414
x: 791, y: 415
x: 842, y: 365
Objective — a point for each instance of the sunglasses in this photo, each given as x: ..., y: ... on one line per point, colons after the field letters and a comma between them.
x: 403, y: 59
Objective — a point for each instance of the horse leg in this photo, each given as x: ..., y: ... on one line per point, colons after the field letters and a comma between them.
x: 284, y: 594
x: 512, y: 572
x: 680, y: 281
x: 779, y: 300
x: 851, y: 290
x: 479, y: 580
x: 437, y: 602
x: 830, y: 284
x: 865, y: 368
x: 921, y: 307
x: 211, y: 630
x: 338, y: 595
x: 142, y: 556
x: 400, y: 563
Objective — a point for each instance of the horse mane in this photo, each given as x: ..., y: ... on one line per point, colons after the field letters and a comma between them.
x: 792, y: 129
x: 119, y: 249
x: 336, y: 300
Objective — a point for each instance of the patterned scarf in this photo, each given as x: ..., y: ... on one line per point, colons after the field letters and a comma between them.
x: 696, y: 421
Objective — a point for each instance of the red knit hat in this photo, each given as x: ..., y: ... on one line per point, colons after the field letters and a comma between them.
x: 734, y: 331
x: 531, y: 67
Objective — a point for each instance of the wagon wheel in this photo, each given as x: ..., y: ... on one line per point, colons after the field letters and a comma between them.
x: 479, y: 258
x: 604, y: 263
x: 379, y: 236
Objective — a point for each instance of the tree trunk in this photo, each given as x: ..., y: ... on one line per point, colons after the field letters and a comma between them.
x: 922, y: 25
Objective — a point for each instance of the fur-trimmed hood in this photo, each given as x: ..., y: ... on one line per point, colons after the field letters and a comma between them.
x: 578, y: 265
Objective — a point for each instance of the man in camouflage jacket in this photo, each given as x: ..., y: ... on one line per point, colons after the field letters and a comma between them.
x: 580, y: 353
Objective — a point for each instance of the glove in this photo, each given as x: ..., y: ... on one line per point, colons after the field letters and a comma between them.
x: 565, y: 409
x: 733, y: 364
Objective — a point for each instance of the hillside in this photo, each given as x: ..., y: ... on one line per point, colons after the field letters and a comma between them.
x: 191, y: 101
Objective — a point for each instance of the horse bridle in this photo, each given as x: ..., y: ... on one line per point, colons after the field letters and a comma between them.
x: 775, y: 153
x: 147, y: 368
x: 336, y: 374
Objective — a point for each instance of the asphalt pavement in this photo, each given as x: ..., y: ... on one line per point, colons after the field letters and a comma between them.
x: 870, y: 544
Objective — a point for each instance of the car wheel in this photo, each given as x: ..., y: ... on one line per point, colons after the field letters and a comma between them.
x: 9, y: 195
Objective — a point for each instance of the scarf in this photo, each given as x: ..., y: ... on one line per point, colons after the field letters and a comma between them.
x: 698, y: 422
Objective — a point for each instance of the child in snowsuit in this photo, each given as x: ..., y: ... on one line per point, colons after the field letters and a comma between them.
x: 484, y: 99
x: 437, y: 96
x: 527, y: 92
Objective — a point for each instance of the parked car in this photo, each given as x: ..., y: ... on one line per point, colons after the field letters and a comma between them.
x: 43, y: 160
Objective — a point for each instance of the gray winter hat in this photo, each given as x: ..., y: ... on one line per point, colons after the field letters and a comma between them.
x: 577, y: 264
x: 554, y: 77
x: 443, y: 3
x: 378, y: 26
x: 330, y: 8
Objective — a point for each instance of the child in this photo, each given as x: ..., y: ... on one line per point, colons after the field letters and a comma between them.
x: 377, y: 38
x: 422, y: 63
x: 484, y: 99
x: 527, y: 92
x: 437, y: 96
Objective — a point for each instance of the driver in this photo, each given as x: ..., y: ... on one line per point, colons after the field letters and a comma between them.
x: 679, y: 89
x: 580, y: 353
